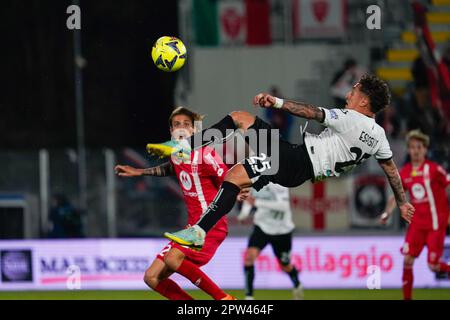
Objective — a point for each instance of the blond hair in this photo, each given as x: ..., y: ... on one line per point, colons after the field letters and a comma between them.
x: 418, y: 135
x: 185, y: 111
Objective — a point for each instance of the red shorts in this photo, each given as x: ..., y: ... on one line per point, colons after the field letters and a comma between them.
x: 212, y: 241
x: 416, y: 238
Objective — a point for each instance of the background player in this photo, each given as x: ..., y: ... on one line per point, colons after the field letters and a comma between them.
x: 199, y: 177
x: 426, y: 182
x: 351, y: 136
x: 274, y: 226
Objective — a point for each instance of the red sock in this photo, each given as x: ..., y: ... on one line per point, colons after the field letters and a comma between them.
x: 172, y: 291
x: 407, y: 283
x: 192, y: 272
x: 443, y: 267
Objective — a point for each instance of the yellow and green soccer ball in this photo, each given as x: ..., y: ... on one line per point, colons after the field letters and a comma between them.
x: 169, y: 54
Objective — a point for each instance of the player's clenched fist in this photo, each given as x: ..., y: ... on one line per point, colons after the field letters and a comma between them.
x: 264, y: 100
x: 407, y: 211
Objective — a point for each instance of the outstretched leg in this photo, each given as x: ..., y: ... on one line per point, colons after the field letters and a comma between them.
x: 236, y: 120
x: 194, y: 237
x: 157, y: 278
x: 219, y: 132
x: 235, y: 179
x: 175, y: 259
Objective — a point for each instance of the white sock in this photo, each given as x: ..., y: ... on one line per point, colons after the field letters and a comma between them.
x: 199, y: 229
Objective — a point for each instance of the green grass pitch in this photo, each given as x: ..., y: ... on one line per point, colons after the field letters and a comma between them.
x: 351, y: 294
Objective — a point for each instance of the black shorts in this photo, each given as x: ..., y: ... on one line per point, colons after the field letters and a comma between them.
x: 281, y: 244
x: 294, y: 167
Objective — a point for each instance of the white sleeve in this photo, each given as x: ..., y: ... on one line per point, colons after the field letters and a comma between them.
x: 337, y: 119
x: 384, y: 151
x: 245, y: 211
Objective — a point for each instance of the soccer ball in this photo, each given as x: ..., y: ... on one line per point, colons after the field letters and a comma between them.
x: 169, y: 53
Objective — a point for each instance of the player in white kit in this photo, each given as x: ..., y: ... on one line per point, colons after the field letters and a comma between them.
x: 350, y: 137
x: 272, y: 225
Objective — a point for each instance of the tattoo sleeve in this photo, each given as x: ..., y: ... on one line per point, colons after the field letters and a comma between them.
x: 304, y: 110
x: 163, y: 170
x: 390, y: 169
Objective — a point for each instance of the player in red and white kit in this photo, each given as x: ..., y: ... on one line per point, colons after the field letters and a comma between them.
x: 200, y: 178
x: 426, y: 183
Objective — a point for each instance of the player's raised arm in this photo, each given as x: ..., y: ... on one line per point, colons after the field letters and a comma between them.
x: 162, y: 170
x: 299, y: 109
x: 390, y: 169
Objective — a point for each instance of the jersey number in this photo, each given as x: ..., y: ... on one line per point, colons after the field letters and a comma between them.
x: 339, y: 168
x: 262, y: 160
x: 278, y: 215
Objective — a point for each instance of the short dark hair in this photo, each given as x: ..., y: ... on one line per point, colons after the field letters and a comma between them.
x: 182, y: 110
x: 376, y: 90
x: 349, y: 63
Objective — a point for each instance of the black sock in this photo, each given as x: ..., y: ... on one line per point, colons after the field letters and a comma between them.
x: 224, y: 125
x: 249, y: 272
x: 293, y: 274
x: 221, y: 205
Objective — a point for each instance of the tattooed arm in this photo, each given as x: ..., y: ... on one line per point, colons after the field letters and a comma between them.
x: 299, y: 109
x: 390, y: 169
x: 304, y: 110
x: 162, y: 170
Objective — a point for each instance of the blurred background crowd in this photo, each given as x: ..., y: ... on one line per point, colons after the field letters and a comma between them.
x: 75, y: 103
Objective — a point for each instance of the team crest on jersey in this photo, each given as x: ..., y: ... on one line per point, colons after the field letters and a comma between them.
x: 334, y: 115
x: 186, y: 181
x: 418, y: 191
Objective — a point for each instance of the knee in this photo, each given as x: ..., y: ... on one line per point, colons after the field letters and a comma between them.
x: 173, y: 260
x: 238, y: 176
x: 433, y: 267
x: 250, y: 257
x: 286, y: 267
x: 242, y: 119
x: 233, y: 177
x: 151, y: 279
x: 408, y: 262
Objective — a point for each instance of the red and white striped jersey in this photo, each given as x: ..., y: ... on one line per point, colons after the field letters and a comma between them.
x: 426, y: 186
x: 200, y: 179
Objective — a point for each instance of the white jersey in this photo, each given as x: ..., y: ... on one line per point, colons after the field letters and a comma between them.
x: 349, y: 139
x: 273, y: 210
